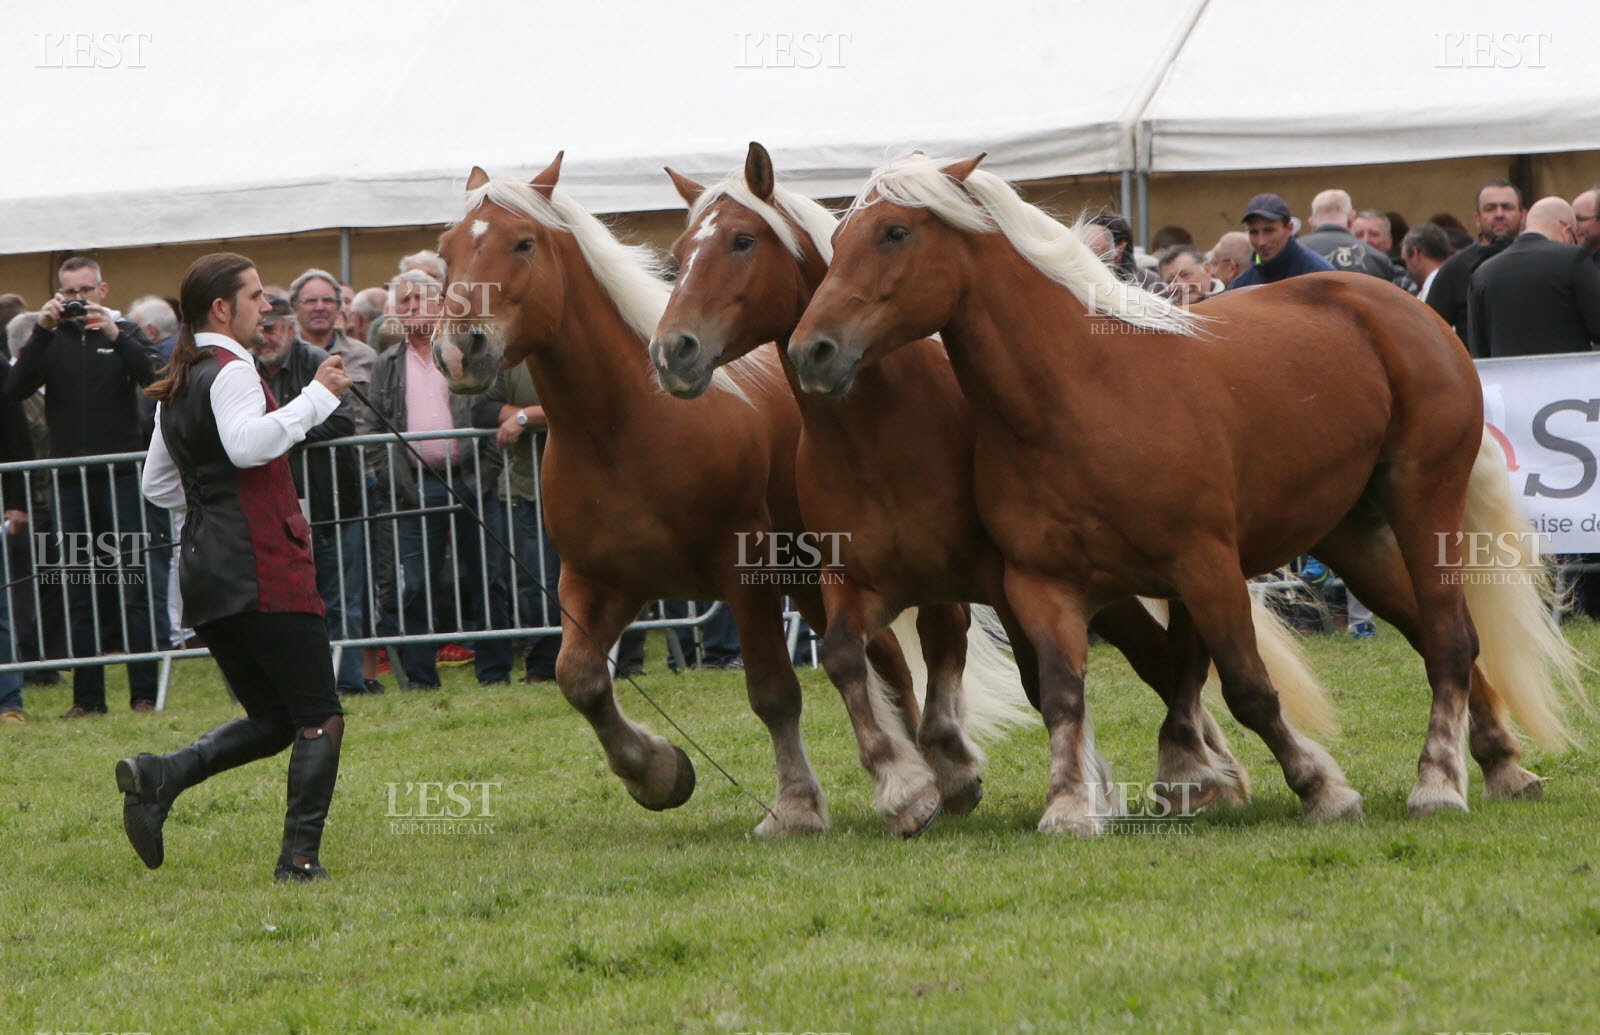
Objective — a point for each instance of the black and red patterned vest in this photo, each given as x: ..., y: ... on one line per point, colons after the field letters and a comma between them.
x: 246, y: 545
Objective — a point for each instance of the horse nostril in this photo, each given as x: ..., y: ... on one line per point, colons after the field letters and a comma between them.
x: 822, y: 351
x: 686, y: 348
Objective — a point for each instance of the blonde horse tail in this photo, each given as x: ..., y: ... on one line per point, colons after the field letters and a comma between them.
x: 1301, y: 694
x: 1530, y: 670
x: 992, y: 699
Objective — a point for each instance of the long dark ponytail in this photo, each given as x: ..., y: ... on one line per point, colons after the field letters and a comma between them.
x: 210, y: 277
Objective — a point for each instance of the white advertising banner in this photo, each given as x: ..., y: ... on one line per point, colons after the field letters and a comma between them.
x: 1545, y: 413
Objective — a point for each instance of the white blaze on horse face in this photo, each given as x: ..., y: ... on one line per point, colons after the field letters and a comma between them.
x: 479, y: 228
x: 707, y: 228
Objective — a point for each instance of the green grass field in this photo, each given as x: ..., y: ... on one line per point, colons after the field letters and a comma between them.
x: 570, y: 909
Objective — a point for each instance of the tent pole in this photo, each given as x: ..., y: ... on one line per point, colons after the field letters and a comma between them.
x: 344, y: 255
x: 1141, y: 229
x: 1127, y: 195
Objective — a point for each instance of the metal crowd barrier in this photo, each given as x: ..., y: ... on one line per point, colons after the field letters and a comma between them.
x: 114, y: 569
x: 120, y: 551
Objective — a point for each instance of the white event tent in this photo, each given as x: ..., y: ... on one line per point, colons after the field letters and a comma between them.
x: 202, y: 120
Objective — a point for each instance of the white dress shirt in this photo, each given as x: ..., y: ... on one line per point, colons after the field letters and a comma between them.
x: 1427, y: 282
x: 250, y: 434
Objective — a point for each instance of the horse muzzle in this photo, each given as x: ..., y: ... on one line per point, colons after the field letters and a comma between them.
x: 822, y: 366
x: 683, y: 367
x: 468, y: 355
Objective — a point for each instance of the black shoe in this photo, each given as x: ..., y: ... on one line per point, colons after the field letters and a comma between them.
x: 41, y: 677
x: 289, y: 873
x: 369, y: 686
x: 543, y: 677
x: 372, y: 686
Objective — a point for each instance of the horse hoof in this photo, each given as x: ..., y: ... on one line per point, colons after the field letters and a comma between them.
x: 680, y: 790
x: 1338, y: 803
x: 1513, y: 783
x: 783, y: 822
x: 1427, y: 803
x: 1058, y: 820
x: 1200, y: 798
x: 962, y: 800
x: 916, y: 815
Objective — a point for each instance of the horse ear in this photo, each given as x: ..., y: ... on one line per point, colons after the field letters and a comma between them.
x: 959, y: 171
x: 476, y: 178
x: 688, y: 190
x: 758, y: 172
x: 545, y: 182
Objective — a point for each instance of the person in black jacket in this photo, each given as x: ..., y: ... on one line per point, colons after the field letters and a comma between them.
x: 92, y: 366
x: 1499, y: 214
x: 1539, y: 296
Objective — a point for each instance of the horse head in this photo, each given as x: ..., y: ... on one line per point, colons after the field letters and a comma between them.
x: 504, y: 287
x: 896, y: 276
x: 746, y: 267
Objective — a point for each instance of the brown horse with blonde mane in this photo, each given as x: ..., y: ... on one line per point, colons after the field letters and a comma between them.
x: 890, y: 466
x: 645, y: 496
x: 1125, y: 446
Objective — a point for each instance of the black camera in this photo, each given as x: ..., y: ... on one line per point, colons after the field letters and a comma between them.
x: 74, y: 309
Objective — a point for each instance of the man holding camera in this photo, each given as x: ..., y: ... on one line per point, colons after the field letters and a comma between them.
x: 92, y: 365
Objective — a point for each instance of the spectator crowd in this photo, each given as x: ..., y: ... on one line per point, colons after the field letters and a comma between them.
x: 72, y: 387
x: 1525, y: 279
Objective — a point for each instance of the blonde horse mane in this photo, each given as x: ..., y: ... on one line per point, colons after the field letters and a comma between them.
x: 630, y: 275
x: 985, y: 203
x: 817, y: 222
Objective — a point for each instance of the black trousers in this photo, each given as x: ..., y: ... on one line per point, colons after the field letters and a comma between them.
x: 279, y: 665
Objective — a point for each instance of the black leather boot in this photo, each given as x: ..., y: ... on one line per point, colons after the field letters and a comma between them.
x: 151, y: 783
x: 313, y: 770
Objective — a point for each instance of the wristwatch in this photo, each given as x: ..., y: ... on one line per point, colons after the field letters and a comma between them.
x: 522, y: 418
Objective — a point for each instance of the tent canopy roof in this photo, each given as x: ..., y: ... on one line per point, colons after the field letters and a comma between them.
x: 190, y: 121
x: 1375, y: 81
x: 371, y: 114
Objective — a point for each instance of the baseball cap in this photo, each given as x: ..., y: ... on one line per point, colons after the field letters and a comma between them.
x: 1268, y: 206
x: 280, y: 309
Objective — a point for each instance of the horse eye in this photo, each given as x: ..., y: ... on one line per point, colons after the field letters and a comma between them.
x: 525, y: 246
x: 896, y: 234
x: 743, y: 243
